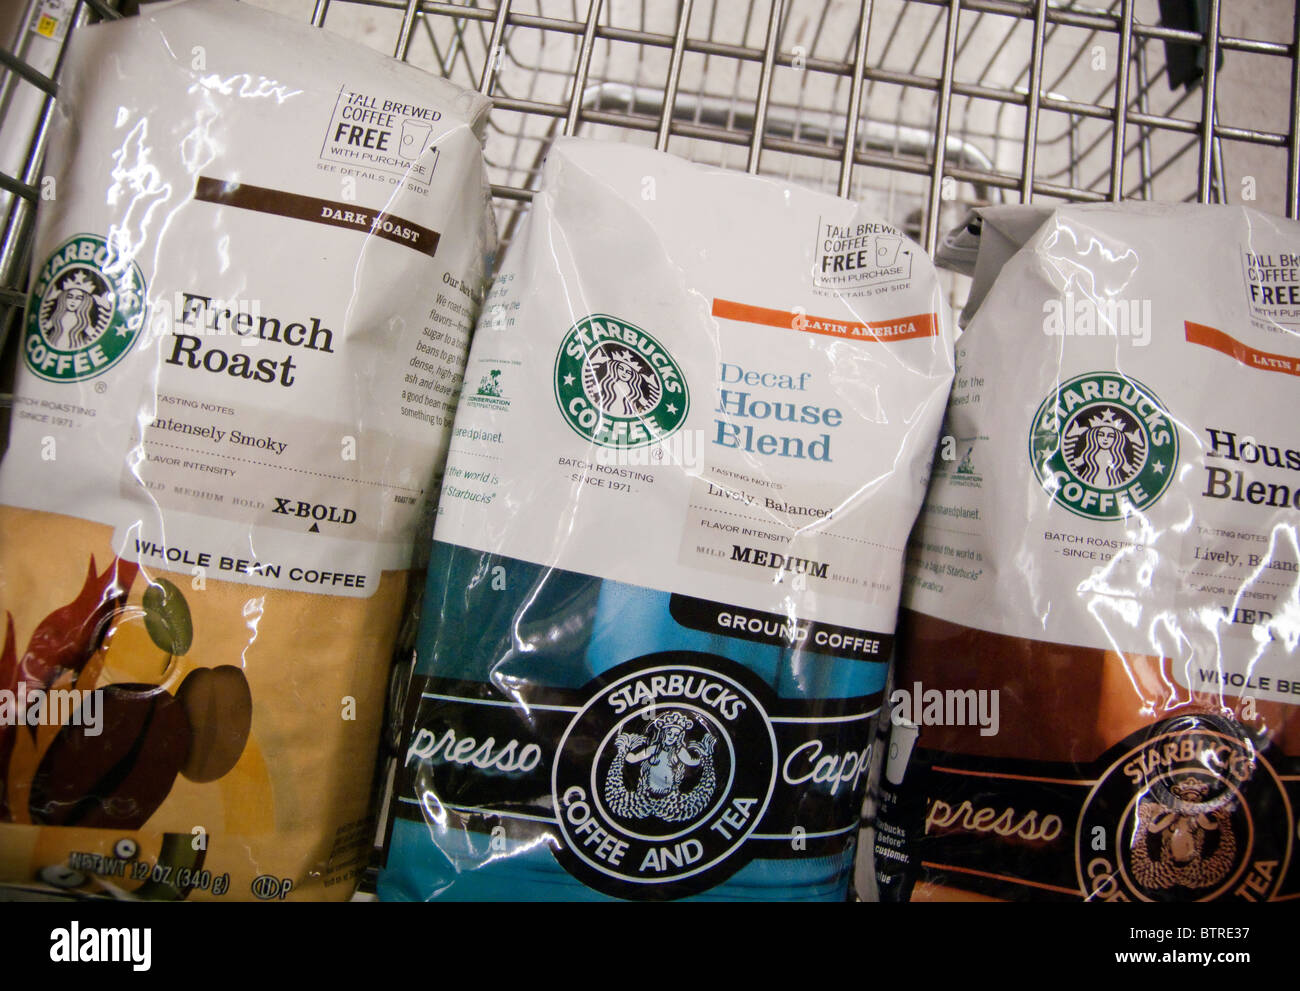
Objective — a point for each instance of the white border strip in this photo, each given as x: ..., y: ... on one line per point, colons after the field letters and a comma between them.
x: 824, y: 719
x: 506, y: 705
x: 576, y: 708
x: 485, y: 812
x: 811, y: 836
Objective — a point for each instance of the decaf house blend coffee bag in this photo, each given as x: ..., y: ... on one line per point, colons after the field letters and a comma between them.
x: 697, y: 419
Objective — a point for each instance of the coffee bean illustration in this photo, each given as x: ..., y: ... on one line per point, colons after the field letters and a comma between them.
x: 131, y: 654
x: 167, y: 617
x: 116, y: 772
x: 219, y: 707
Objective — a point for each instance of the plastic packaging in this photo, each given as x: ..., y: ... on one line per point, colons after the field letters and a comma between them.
x: 697, y: 418
x: 250, y: 311
x: 1096, y: 694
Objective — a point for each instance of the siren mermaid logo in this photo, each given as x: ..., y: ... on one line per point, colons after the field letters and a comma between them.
x: 617, y: 386
x: 86, y: 310
x: 1103, y: 446
x: 664, y: 756
x: 1185, y: 838
x: 662, y: 776
x: 1187, y: 810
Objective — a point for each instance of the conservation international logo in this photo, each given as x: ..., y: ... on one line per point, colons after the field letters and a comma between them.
x: 1103, y: 446
x: 617, y: 386
x: 86, y: 309
x: 661, y: 777
x: 490, y: 393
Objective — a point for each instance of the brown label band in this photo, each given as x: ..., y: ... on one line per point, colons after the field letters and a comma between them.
x: 332, y: 213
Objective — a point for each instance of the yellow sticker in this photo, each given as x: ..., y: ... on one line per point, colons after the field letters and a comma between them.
x: 47, y: 26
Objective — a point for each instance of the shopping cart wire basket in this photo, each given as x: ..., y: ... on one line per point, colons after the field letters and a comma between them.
x: 918, y: 108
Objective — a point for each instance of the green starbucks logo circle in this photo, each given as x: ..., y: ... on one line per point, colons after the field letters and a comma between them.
x: 85, y: 311
x: 617, y: 386
x: 1103, y: 446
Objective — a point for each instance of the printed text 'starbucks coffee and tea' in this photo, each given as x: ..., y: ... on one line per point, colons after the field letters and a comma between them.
x: 668, y: 553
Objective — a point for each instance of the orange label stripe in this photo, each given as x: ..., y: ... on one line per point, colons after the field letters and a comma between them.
x: 1217, y: 340
x: 883, y: 331
x: 1002, y: 877
x: 1013, y: 777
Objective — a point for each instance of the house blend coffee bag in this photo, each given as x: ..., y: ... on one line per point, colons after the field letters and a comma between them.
x: 697, y: 418
x: 250, y: 307
x: 1098, y: 685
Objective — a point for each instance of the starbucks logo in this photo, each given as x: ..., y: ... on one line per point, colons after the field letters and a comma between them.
x: 1177, y: 817
x: 617, y: 386
x: 86, y: 310
x: 620, y: 382
x: 1103, y: 446
x: 662, y: 776
x: 661, y: 771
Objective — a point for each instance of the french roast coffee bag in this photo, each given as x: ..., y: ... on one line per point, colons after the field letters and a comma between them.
x: 1098, y: 678
x: 697, y: 417
x: 250, y: 307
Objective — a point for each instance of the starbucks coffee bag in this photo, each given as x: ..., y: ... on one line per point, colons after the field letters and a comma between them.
x: 698, y: 413
x: 250, y: 305
x: 1098, y: 676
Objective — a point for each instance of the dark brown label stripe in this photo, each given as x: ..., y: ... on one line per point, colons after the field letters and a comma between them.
x: 1182, y: 810
x: 332, y: 213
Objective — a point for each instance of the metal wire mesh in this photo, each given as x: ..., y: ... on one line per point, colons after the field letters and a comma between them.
x: 919, y: 108
x: 956, y: 103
